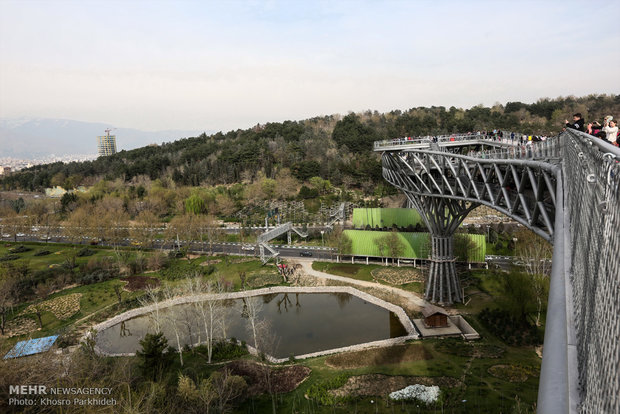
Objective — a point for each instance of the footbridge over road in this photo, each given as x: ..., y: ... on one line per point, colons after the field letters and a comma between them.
x: 268, y: 235
x: 566, y: 189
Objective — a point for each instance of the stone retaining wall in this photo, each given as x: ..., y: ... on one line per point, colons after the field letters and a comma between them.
x: 397, y: 310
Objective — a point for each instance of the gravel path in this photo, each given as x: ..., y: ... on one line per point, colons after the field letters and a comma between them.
x: 416, y: 300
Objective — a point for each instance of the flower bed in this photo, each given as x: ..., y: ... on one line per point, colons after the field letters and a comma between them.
x: 417, y: 392
x: 20, y: 326
x: 397, y: 276
x: 63, y: 307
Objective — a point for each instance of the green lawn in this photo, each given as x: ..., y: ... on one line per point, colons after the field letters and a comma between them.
x: 416, y: 245
x: 385, y: 217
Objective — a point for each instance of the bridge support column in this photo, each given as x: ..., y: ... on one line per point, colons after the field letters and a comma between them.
x: 442, y: 217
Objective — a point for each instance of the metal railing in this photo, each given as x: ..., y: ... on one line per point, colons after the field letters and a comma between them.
x: 581, y: 359
x: 426, y: 141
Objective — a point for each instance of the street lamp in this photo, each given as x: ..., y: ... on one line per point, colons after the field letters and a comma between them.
x: 322, y: 241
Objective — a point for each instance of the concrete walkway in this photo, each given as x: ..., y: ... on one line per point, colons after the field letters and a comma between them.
x: 416, y: 300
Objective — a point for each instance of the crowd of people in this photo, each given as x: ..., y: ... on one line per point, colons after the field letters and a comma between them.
x: 607, y: 131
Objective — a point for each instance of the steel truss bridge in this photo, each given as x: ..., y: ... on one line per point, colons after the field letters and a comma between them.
x: 565, y: 189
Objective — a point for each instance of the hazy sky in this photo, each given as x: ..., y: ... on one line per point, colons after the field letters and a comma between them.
x: 224, y: 65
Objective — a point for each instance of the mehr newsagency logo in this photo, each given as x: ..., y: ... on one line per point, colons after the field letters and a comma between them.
x: 31, y: 395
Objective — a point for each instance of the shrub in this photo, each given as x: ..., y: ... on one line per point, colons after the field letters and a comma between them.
x: 20, y: 249
x: 156, y: 261
x: 85, y: 252
x: 8, y: 257
x: 510, y: 330
x: 319, y: 391
x: 42, y: 253
x: 99, y: 275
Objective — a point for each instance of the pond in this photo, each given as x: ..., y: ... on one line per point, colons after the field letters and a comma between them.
x: 287, y: 323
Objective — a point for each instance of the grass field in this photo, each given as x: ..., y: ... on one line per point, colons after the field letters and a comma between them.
x: 385, y: 217
x: 416, y: 245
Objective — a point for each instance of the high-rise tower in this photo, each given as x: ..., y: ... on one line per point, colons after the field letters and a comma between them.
x: 106, y: 145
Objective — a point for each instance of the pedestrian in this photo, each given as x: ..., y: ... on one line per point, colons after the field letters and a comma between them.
x: 611, y: 131
x: 577, y: 122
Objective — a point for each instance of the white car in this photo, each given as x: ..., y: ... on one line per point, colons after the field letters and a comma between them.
x: 247, y: 247
x: 20, y: 234
x: 6, y: 235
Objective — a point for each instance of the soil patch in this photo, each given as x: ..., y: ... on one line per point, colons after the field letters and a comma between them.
x: 512, y: 373
x: 398, y: 276
x: 344, y: 268
x: 140, y: 282
x: 379, y: 384
x: 258, y: 376
x: 468, y: 349
x: 263, y: 278
x: 210, y: 262
x: 379, y: 356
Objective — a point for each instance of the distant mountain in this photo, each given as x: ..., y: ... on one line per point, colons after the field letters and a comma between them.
x: 30, y: 138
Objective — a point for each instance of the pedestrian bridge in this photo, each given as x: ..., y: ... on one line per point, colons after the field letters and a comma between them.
x: 565, y: 189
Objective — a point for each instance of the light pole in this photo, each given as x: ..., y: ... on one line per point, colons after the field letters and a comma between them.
x: 322, y: 241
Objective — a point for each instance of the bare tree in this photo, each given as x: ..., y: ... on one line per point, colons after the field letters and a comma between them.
x: 209, y: 310
x: 252, y: 307
x: 171, y: 318
x: 536, y: 255
x: 151, y: 297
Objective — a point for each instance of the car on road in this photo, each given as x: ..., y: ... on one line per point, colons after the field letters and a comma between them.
x: 6, y: 235
x: 247, y: 247
x: 305, y: 253
x: 20, y: 234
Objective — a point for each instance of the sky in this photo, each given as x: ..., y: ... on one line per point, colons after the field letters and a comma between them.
x: 223, y: 65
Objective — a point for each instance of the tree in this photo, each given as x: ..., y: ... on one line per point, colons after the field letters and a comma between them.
x: 152, y: 298
x: 382, y: 246
x: 8, y: 296
x: 210, y: 310
x: 518, y: 295
x: 152, y: 357
x: 350, y: 131
x: 536, y: 253
x: 394, y: 246
x: 220, y: 389
x: 340, y: 241
x: 195, y: 205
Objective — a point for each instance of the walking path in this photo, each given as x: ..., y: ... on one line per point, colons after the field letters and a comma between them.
x: 416, y: 300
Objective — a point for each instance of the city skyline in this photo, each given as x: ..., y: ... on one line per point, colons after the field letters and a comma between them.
x: 223, y: 66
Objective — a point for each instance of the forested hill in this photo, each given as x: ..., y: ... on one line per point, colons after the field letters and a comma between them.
x: 336, y: 148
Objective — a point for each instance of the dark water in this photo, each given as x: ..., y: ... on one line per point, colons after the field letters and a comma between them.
x: 289, y: 324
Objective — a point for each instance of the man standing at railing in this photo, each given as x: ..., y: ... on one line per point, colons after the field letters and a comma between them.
x: 577, y: 122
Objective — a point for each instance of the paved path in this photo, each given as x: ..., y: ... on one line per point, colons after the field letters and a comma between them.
x: 416, y: 300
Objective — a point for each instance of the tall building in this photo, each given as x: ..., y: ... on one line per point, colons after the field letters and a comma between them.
x: 106, y: 145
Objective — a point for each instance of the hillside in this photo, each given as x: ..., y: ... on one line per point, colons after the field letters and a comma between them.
x: 333, y: 147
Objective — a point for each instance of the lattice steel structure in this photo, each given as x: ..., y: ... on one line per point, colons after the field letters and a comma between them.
x: 567, y: 191
x: 445, y: 186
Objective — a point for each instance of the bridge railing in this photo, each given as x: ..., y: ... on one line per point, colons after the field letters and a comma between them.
x: 541, y: 149
x: 581, y: 358
x: 427, y: 140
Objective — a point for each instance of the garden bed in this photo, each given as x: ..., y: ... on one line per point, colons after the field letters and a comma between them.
x: 379, y: 356
x: 63, y: 307
x: 140, y: 282
x: 398, y: 276
x: 379, y: 384
x: 258, y: 376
